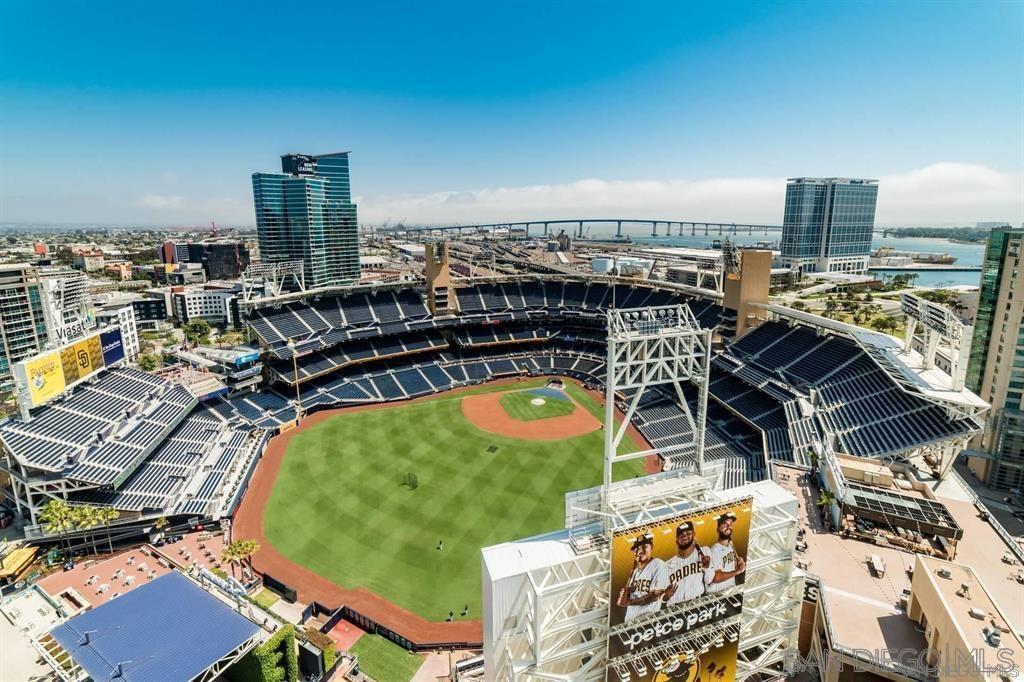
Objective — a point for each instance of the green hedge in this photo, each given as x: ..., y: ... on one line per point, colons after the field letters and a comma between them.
x: 325, y: 644
x: 276, y: 660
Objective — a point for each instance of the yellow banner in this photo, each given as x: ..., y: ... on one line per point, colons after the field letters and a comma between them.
x: 45, y: 378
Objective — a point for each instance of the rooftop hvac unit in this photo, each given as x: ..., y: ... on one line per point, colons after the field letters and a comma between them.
x: 945, y: 573
x: 977, y: 613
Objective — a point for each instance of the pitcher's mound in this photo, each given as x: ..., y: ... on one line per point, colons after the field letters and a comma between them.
x: 486, y: 412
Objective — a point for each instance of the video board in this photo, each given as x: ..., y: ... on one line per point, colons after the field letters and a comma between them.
x: 43, y: 377
x: 670, y: 580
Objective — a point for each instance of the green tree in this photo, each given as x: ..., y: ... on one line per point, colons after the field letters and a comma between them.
x: 56, y: 517
x: 831, y: 307
x: 106, y: 515
x: 197, y: 331
x: 86, y: 519
x: 825, y: 498
x: 884, y: 324
x: 147, y: 362
x: 798, y: 305
x: 231, y: 555
x: 240, y: 552
x: 248, y: 548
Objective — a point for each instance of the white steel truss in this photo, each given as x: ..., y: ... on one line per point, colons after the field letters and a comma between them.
x: 273, y: 276
x: 650, y: 347
x: 553, y: 625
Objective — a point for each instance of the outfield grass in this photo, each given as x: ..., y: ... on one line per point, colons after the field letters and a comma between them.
x: 518, y: 406
x: 339, y: 508
x: 265, y: 598
x: 382, y: 659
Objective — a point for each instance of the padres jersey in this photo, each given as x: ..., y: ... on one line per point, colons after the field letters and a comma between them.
x: 651, y: 578
x: 723, y: 558
x: 688, y: 574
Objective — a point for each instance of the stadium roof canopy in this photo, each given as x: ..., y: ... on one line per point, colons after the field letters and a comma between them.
x: 169, y: 629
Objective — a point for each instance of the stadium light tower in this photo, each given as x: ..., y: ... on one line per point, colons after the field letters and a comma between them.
x: 650, y: 347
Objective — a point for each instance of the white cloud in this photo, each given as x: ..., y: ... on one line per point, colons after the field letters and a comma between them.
x: 950, y: 193
x: 161, y: 201
x: 940, y: 194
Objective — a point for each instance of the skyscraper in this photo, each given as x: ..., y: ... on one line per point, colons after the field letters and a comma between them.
x: 23, y: 329
x: 306, y: 213
x: 827, y: 224
x: 996, y: 367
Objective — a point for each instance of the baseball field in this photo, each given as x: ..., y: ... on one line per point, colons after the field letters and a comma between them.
x: 399, y: 499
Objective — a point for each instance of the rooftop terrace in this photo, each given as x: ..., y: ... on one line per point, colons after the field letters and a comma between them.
x: 863, y: 606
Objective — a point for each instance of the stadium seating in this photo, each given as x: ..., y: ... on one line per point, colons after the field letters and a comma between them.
x: 858, y: 401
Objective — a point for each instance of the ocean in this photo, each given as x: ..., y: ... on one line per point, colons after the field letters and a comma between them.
x: 966, y: 254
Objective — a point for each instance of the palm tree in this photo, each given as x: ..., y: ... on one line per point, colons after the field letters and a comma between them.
x: 825, y: 499
x: 231, y: 554
x: 84, y: 519
x: 106, y: 515
x: 161, y: 523
x: 883, y: 324
x: 830, y: 307
x: 249, y: 547
x: 57, y: 517
x: 812, y: 457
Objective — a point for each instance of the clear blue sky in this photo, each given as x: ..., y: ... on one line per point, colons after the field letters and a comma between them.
x: 159, y: 112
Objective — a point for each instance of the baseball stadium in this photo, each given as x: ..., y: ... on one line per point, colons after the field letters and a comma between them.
x: 432, y: 436
x: 403, y: 427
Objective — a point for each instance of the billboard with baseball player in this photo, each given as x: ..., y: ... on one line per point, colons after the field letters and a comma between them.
x: 676, y: 576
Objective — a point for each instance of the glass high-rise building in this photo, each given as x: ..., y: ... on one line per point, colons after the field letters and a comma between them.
x: 995, y: 370
x: 306, y: 213
x: 827, y: 224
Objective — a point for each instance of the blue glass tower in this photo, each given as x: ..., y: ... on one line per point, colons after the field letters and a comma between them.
x: 827, y: 224
x: 306, y: 213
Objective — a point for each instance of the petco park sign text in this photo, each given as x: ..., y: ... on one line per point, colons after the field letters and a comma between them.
x: 677, y: 624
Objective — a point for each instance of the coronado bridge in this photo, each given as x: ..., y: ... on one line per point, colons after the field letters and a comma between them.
x: 579, y: 227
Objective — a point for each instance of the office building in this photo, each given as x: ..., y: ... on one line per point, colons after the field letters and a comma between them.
x: 828, y: 223
x: 995, y: 370
x: 67, y: 308
x: 220, y: 260
x: 226, y: 259
x: 306, y: 213
x: 186, y: 273
x: 87, y: 259
x: 173, y: 252
x: 218, y: 305
x: 122, y: 314
x: 962, y: 623
x: 22, y: 323
x: 150, y: 313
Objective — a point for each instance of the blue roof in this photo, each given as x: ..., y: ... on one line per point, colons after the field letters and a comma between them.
x: 169, y: 629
